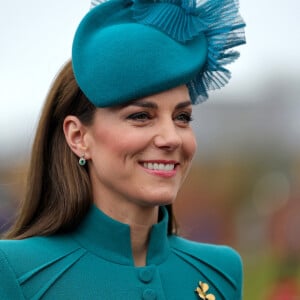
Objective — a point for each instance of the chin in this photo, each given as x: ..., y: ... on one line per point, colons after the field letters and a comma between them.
x: 160, y: 199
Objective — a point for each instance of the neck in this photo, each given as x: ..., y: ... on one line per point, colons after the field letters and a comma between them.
x: 139, y: 243
x: 140, y: 220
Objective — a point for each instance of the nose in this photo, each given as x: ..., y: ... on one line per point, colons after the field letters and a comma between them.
x: 167, y: 136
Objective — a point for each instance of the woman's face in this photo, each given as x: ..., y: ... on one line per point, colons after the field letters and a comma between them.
x: 142, y: 151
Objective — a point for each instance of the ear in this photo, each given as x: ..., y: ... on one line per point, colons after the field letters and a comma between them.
x: 75, y: 132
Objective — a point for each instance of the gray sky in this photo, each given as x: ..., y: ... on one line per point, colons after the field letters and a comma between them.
x: 36, y: 39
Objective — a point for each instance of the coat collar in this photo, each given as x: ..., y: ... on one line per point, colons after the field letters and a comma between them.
x: 110, y: 239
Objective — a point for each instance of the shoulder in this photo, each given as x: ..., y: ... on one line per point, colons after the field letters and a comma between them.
x: 21, y: 259
x: 38, y: 249
x: 218, y: 255
x: 220, y: 263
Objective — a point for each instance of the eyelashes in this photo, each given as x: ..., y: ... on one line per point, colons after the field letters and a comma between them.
x: 140, y: 116
x: 182, y: 117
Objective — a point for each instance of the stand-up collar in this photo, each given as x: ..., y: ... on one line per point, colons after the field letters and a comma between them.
x: 110, y: 239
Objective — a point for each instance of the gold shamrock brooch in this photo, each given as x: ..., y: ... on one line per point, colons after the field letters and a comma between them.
x: 202, y: 291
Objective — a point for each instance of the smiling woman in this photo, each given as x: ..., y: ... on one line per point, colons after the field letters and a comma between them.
x: 113, y: 147
x: 138, y: 153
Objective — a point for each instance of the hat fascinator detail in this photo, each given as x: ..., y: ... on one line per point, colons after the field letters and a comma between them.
x: 94, y: 3
x: 183, y: 20
x: 178, y: 19
x: 218, y: 20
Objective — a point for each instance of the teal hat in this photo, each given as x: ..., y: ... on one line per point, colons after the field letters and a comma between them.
x: 124, y: 50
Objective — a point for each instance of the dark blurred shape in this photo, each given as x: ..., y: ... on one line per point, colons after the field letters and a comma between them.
x: 7, y: 209
x: 285, y: 285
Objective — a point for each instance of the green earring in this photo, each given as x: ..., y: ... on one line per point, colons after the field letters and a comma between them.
x: 82, y: 160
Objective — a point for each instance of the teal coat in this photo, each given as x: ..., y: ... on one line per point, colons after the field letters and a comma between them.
x: 95, y: 262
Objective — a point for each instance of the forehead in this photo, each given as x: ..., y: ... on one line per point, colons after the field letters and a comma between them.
x: 172, y: 97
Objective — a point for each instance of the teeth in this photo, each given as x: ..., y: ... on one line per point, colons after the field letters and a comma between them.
x: 159, y: 167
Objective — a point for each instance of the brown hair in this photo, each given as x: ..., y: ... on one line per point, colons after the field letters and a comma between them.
x: 58, y: 193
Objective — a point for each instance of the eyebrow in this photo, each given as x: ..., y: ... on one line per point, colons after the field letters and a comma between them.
x: 148, y: 104
x: 183, y: 104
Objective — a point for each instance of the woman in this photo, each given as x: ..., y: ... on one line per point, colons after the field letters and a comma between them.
x: 113, y: 146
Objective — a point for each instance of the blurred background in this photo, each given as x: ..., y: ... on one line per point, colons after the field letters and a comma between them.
x: 244, y: 187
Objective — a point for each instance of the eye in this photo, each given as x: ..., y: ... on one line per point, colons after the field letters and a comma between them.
x: 184, y: 117
x: 140, y: 116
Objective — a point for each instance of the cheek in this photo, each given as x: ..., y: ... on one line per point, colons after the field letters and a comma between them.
x: 119, y: 142
x: 190, y: 145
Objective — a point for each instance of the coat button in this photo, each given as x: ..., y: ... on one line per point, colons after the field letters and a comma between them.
x: 149, y: 294
x: 146, y: 274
